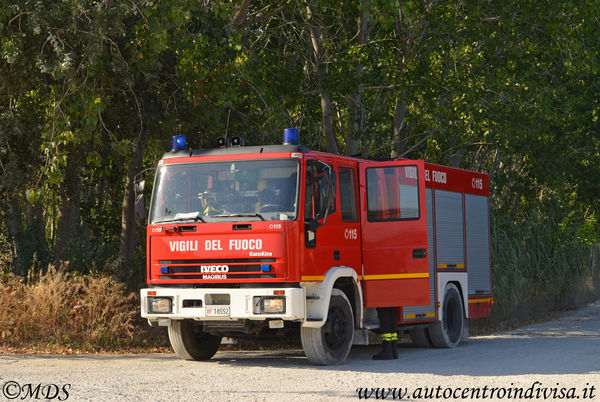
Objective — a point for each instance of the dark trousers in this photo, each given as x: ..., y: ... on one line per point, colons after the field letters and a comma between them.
x: 387, y: 319
x: 389, y: 334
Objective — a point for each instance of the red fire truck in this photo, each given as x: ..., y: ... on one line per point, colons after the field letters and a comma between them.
x: 253, y: 240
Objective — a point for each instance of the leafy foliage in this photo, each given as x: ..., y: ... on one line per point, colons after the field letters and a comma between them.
x: 88, y: 86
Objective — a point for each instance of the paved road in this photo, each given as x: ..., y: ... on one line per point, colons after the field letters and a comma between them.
x: 560, y: 358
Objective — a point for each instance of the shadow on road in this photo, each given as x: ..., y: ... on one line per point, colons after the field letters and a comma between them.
x: 508, y: 355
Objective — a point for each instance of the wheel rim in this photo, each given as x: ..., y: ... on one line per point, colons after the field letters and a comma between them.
x: 335, y: 332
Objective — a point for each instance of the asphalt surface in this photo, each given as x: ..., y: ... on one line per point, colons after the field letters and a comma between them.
x: 557, y: 360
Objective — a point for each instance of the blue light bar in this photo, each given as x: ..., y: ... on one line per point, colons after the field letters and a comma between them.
x: 265, y: 267
x: 164, y: 270
x: 290, y: 136
x: 178, y: 143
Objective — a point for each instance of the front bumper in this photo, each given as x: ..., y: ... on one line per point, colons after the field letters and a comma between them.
x: 197, y: 303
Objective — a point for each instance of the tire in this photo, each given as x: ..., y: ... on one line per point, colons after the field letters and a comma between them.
x: 448, y: 333
x: 189, y: 341
x: 331, y: 343
x: 420, y: 338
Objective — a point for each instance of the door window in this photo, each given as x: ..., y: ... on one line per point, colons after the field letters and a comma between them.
x: 348, y: 194
x: 392, y: 193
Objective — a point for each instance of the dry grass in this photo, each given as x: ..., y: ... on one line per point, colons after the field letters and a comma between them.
x: 57, y: 310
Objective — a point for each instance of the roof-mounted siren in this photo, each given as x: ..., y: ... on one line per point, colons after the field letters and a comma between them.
x: 290, y: 136
x: 237, y: 142
x: 178, y: 143
x: 222, y: 142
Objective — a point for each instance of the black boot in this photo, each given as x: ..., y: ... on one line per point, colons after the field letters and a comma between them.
x: 394, y: 343
x: 386, y: 353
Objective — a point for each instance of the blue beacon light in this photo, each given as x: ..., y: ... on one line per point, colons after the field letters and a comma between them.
x: 290, y: 136
x: 178, y: 143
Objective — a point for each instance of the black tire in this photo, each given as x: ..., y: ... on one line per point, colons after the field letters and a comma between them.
x: 420, y: 337
x: 448, y: 333
x: 331, y: 343
x: 189, y: 341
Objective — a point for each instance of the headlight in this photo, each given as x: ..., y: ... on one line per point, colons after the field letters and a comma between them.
x: 269, y: 305
x: 160, y: 305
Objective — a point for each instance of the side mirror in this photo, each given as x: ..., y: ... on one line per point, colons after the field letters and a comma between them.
x: 140, y: 209
x: 139, y: 187
x: 327, y: 193
x: 138, y: 190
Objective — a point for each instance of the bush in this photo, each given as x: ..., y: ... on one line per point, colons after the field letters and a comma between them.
x: 58, y: 308
x: 540, y: 265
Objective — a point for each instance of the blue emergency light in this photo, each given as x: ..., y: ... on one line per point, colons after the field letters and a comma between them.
x: 265, y: 267
x: 178, y: 143
x: 290, y: 136
x: 164, y: 269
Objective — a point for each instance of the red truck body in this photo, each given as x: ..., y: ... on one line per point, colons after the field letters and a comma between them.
x: 396, y: 233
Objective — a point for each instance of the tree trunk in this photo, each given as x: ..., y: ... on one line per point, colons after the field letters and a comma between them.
x: 128, y: 222
x: 36, y: 235
x: 68, y: 207
x: 399, y: 136
x: 16, y: 234
x: 456, y: 152
x: 321, y: 71
x: 28, y: 242
x: 355, y: 129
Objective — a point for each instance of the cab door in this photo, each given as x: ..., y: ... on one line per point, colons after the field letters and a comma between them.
x: 394, y: 233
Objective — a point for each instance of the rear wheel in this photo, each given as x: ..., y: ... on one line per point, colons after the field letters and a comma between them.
x: 448, y: 332
x: 190, y: 342
x: 331, y: 343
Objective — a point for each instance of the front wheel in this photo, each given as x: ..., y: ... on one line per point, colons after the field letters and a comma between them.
x: 448, y: 332
x: 331, y: 343
x: 190, y: 342
x: 420, y: 337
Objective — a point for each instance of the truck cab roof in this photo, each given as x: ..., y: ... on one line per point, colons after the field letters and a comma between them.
x: 259, y: 149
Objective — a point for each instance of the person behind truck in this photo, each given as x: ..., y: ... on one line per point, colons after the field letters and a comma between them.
x: 389, y: 335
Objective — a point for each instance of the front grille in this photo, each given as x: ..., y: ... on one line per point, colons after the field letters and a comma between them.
x: 197, y: 269
x: 209, y: 276
x: 217, y: 261
x: 211, y: 269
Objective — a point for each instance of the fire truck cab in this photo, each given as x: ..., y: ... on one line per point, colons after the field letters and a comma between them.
x: 243, y: 241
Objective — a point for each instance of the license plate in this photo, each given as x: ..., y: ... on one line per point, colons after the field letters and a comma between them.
x: 221, y: 311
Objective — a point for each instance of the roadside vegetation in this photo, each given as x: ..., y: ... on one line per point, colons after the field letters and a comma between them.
x: 540, y: 267
x: 537, y: 272
x: 91, y: 92
x: 59, y: 312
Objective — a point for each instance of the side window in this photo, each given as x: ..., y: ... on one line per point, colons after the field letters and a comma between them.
x: 392, y: 193
x: 315, y: 190
x: 348, y: 194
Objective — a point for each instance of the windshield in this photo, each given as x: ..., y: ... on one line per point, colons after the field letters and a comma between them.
x: 231, y: 191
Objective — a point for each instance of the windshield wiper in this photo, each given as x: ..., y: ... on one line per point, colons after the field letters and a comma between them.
x: 254, y: 215
x: 181, y: 217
